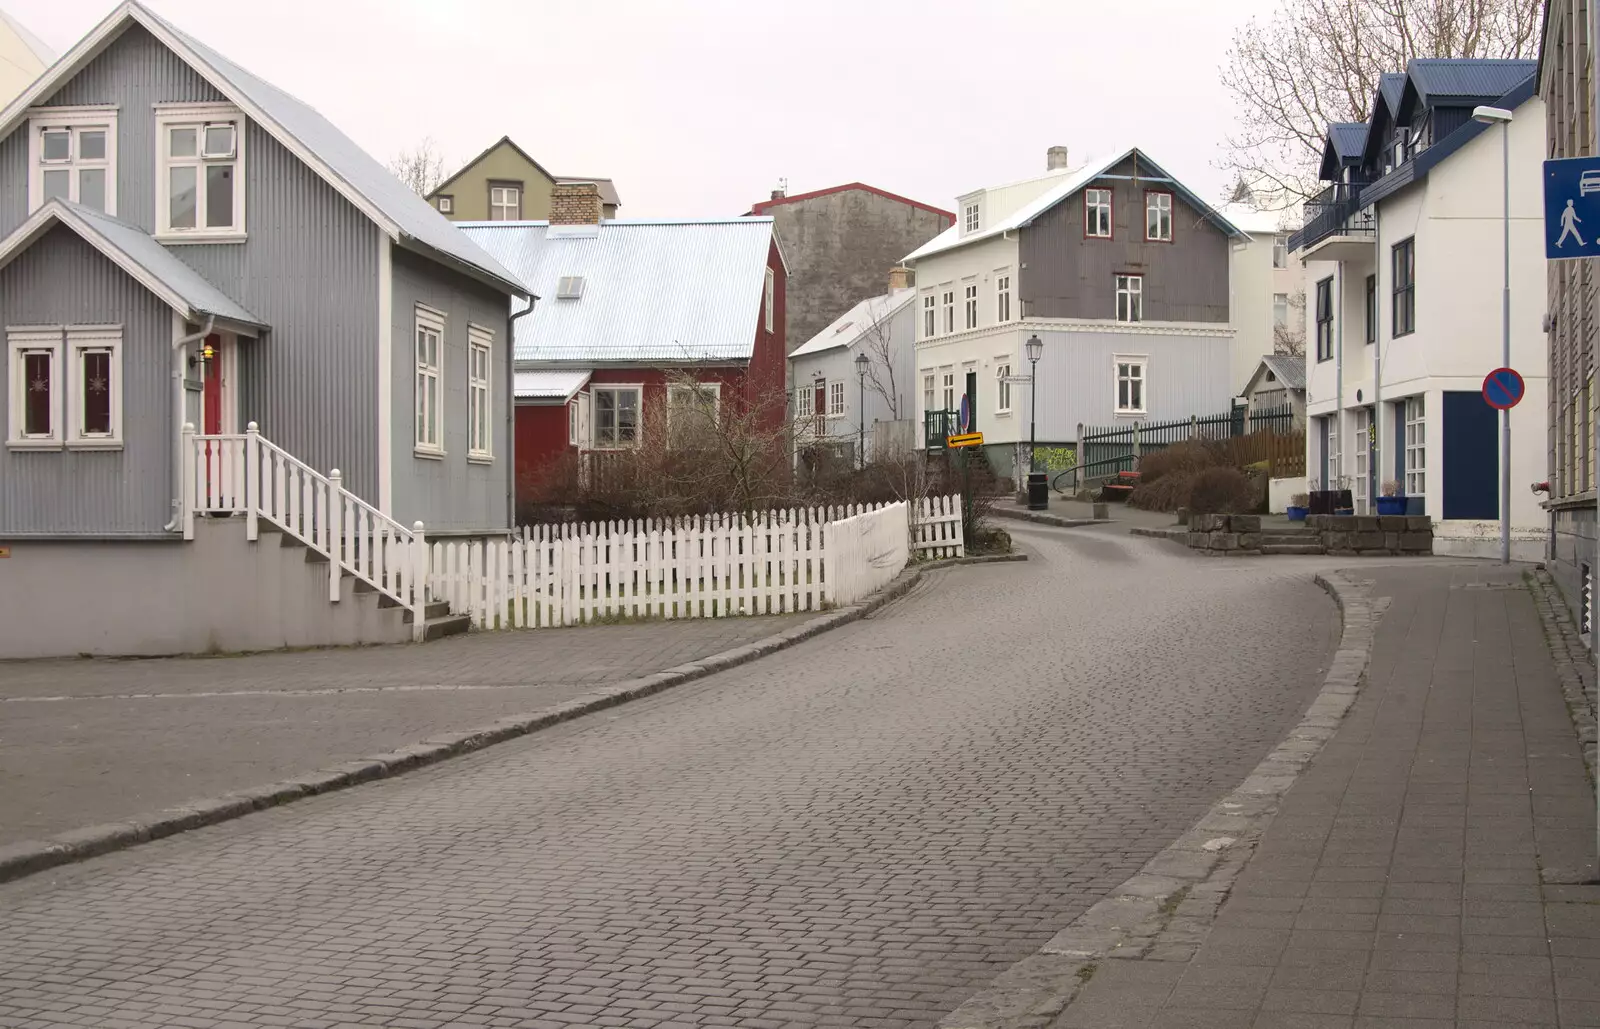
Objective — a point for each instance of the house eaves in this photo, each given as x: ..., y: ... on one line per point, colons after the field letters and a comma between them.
x: 491, y: 148
x: 850, y: 327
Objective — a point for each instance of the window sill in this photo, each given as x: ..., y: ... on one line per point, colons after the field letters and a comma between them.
x: 95, y: 444
x: 181, y: 238
x: 1132, y: 414
x: 480, y: 459
x: 1006, y: 413
x: 34, y: 444
x: 428, y: 453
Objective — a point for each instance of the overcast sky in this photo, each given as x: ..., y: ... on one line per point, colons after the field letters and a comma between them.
x: 699, y: 107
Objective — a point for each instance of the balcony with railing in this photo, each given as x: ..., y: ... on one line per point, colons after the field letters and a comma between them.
x: 1336, y: 214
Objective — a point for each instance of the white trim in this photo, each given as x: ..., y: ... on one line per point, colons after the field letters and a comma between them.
x: 770, y: 298
x: 480, y: 339
x: 714, y: 388
x: 81, y: 338
x: 594, y: 413
x: 433, y: 321
x: 385, y: 376
x: 1140, y: 361
x: 170, y: 116
x: 1134, y: 291
x: 1002, y: 375
x: 22, y: 339
x: 74, y: 118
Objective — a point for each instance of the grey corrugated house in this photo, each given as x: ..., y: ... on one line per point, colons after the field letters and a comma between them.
x: 182, y: 242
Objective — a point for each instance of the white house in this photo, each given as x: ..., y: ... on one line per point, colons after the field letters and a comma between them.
x: 1268, y: 289
x: 1403, y: 270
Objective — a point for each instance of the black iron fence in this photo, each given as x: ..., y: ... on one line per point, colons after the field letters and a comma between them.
x: 1105, y: 450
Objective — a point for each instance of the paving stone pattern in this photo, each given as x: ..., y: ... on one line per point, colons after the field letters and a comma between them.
x: 1414, y: 875
x: 91, y: 741
x: 862, y: 830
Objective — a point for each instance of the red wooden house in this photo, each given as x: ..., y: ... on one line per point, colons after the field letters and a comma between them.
x: 624, y: 306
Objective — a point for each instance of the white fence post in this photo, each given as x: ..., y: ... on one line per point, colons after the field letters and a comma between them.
x: 419, y: 582
x: 186, y: 485
x: 252, y: 481
x: 333, y: 515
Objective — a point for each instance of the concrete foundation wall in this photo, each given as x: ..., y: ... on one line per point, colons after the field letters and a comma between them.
x: 1280, y: 490
x: 216, y: 594
x: 1573, y: 543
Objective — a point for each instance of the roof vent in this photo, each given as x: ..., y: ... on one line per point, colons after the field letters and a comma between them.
x: 570, y: 287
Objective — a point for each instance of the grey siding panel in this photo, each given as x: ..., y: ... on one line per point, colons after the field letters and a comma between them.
x: 1185, y: 375
x: 452, y: 493
x: 310, y: 270
x: 61, y: 280
x: 1064, y: 275
x: 13, y: 180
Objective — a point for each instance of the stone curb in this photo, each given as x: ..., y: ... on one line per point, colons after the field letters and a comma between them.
x: 1164, y: 912
x: 1574, y: 663
x: 1180, y: 535
x: 1046, y: 519
x: 29, y: 856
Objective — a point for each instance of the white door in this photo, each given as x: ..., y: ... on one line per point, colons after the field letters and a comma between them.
x: 1362, y: 440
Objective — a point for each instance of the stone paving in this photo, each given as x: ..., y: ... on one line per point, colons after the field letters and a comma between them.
x: 1422, y: 872
x: 862, y: 830
x: 90, y: 741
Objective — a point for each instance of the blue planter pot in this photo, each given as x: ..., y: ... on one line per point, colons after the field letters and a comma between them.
x: 1297, y: 514
x: 1392, y: 505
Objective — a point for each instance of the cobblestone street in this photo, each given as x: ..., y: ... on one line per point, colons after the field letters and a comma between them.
x: 862, y: 830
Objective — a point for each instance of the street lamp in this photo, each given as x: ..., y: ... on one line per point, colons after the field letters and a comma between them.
x: 861, y: 376
x: 1038, y: 488
x: 1502, y: 117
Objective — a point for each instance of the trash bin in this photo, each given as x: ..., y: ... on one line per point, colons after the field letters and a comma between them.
x: 1038, y: 491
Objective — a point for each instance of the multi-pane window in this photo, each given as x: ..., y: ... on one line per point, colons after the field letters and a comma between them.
x: 1130, y: 298
x: 949, y: 310
x: 505, y: 203
x: 1280, y: 252
x: 692, y: 406
x: 1002, y: 298
x: 1330, y: 448
x: 1158, y: 217
x: 36, y: 387
x: 835, y: 399
x: 927, y: 393
x: 1280, y: 310
x: 200, y: 191
x: 430, y: 396
x: 96, y: 389
x: 1405, y: 292
x: 572, y: 422
x: 804, y: 402
x: 1325, y: 319
x: 1362, y: 449
x: 66, y: 387
x: 480, y: 432
x: 930, y: 324
x: 969, y: 217
x: 1097, y: 213
x: 769, y: 300
x: 1130, y: 385
x: 74, y: 158
x: 1372, y: 309
x: 949, y: 391
x: 616, y: 416
x: 1002, y: 399
x: 972, y: 305
x: 1416, y: 463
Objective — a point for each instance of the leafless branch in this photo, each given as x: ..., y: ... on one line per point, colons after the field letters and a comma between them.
x: 421, y: 168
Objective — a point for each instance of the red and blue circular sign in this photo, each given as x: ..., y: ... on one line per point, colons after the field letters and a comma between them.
x: 1503, y: 389
x: 966, y: 414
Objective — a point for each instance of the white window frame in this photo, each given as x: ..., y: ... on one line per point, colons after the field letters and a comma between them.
x: 81, y: 340
x: 572, y: 422
x: 1361, y: 437
x: 1002, y: 397
x: 949, y: 305
x: 677, y: 390
x: 1158, y: 216
x: 1280, y: 251
x: 1141, y: 362
x: 447, y: 204
x: 637, y: 389
x: 971, y: 217
x: 948, y: 380
x: 172, y: 116
x: 1280, y: 310
x: 1416, y: 439
x: 77, y: 120
x: 805, y: 402
x: 22, y: 340
x: 1130, y: 288
x: 836, y: 399
x: 480, y: 394
x: 769, y: 298
x: 510, y: 208
x: 1002, y: 295
x: 930, y: 315
x: 1095, y: 201
x: 971, y: 297
x: 428, y: 384
x: 929, y: 391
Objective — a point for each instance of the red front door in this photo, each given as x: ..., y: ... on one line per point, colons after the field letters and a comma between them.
x: 819, y: 405
x: 211, y: 417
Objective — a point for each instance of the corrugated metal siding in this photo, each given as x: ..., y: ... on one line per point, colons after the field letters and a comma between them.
x: 1448, y: 119
x: 61, y: 280
x: 310, y: 271
x: 14, y: 180
x: 452, y: 493
x: 1064, y: 275
x: 1486, y: 78
x: 1185, y: 375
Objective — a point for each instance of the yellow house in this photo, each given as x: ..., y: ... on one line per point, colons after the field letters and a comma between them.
x: 23, y: 58
x: 504, y: 184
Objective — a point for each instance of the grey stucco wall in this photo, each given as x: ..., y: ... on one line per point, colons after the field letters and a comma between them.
x: 449, y: 493
x: 840, y: 247
x: 1064, y: 275
x: 61, y: 280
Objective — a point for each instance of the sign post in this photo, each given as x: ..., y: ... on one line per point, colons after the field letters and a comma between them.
x: 1502, y: 390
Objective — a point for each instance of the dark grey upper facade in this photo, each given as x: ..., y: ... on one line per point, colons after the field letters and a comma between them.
x: 329, y: 261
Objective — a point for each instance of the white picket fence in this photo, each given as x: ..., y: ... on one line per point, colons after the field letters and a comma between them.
x: 716, y: 566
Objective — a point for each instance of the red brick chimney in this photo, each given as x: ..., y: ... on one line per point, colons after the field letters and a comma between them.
x: 900, y: 277
x: 575, y: 203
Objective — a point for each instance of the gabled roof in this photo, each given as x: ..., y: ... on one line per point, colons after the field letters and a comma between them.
x: 1440, y: 79
x: 1390, y: 85
x: 360, y: 179
x: 1291, y: 371
x: 139, y: 255
x: 766, y: 206
x: 856, y: 322
x: 661, y: 292
x: 36, y: 46
x: 443, y: 187
x: 549, y: 385
x: 952, y: 238
x: 1346, y: 141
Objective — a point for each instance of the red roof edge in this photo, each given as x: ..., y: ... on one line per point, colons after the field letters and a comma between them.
x: 763, y: 206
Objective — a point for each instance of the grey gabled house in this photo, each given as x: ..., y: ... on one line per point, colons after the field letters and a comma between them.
x: 182, y: 242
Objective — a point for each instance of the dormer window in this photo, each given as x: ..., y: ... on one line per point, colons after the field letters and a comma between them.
x: 73, y: 156
x: 970, y: 217
x: 200, y: 186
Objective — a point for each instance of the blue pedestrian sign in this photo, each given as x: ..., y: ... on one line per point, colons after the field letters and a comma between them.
x: 1503, y: 389
x: 1572, y: 208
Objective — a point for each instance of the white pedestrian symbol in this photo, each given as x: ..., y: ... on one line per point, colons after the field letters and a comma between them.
x: 1569, y: 222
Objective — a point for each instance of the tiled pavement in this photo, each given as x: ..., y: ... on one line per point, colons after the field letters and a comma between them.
x: 1414, y: 875
x: 859, y: 831
x: 91, y: 741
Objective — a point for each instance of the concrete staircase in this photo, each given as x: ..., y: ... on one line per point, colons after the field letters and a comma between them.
x: 1294, y: 538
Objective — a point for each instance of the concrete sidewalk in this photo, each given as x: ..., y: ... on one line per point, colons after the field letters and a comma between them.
x: 1424, y: 871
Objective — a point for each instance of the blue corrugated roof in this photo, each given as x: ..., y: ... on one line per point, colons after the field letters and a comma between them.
x: 1390, y: 85
x: 1348, y: 138
x: 1438, y: 78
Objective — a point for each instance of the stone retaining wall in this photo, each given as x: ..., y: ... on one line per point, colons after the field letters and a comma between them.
x: 1340, y: 535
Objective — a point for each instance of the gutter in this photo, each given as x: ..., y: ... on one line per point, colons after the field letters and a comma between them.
x: 178, y: 347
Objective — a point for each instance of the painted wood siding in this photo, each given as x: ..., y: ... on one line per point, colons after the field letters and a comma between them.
x: 128, y: 492
x: 449, y: 493
x: 1065, y: 275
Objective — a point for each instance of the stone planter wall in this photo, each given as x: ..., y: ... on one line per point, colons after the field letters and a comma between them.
x: 1343, y: 536
x: 1225, y: 534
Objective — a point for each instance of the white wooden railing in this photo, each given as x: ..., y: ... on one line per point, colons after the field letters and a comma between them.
x: 250, y: 475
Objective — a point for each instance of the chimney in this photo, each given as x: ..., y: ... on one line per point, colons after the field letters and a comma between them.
x: 778, y: 193
x: 901, y: 277
x: 1055, y: 158
x: 575, y: 203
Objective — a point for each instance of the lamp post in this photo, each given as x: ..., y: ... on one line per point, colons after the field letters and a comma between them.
x: 861, y: 376
x: 1502, y: 117
x: 1038, y: 487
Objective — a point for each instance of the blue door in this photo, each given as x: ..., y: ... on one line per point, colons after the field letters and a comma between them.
x: 1471, y: 459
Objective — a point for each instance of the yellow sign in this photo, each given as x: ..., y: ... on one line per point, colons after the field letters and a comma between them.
x: 970, y: 439
x: 5, y: 551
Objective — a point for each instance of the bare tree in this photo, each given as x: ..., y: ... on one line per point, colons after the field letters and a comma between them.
x: 1318, y: 61
x: 1290, y: 337
x: 421, y: 168
x: 878, y: 343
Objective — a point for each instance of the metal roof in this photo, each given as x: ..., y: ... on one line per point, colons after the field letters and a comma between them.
x: 952, y: 238
x: 1438, y: 78
x: 1390, y: 85
x: 668, y: 292
x: 550, y: 383
x: 854, y: 323
x: 1291, y: 371
x: 355, y: 173
x: 36, y: 46
x: 1346, y: 140
x: 135, y: 252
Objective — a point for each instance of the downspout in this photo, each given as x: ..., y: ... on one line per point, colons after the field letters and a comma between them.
x: 511, y: 414
x: 1338, y: 370
x: 178, y: 369
x: 1375, y: 445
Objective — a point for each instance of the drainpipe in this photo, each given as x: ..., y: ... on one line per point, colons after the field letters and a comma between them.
x: 1375, y: 474
x: 511, y: 415
x: 1338, y: 370
x: 178, y: 368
